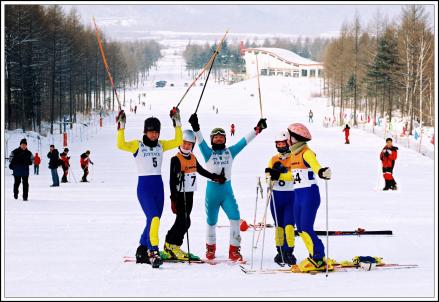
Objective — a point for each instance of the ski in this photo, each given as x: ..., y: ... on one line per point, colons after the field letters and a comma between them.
x: 225, y: 261
x: 337, y: 268
x: 131, y: 259
x: 357, y: 232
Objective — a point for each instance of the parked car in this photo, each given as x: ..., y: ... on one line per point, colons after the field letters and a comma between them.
x: 160, y: 83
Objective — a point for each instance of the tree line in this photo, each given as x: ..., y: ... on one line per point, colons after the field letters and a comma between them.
x: 385, y: 69
x: 53, y: 67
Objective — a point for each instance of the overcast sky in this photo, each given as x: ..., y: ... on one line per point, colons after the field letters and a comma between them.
x: 305, y: 20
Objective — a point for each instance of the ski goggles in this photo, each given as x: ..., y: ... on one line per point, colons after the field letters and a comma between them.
x: 217, y: 131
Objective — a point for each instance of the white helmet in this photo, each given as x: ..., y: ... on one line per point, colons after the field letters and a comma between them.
x: 282, y: 136
x: 189, y: 136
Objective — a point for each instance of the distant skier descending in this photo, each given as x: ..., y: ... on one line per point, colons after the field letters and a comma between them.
x: 219, y: 160
x: 307, y: 196
x: 148, y: 155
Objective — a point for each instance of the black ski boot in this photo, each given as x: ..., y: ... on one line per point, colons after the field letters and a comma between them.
x: 280, y: 257
x: 288, y: 256
x: 387, y: 186
x: 142, y: 255
x: 154, y: 258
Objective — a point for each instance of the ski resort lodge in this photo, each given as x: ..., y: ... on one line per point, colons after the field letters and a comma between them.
x: 280, y: 62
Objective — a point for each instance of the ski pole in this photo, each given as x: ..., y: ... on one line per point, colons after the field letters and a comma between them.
x: 266, y: 206
x: 327, y: 232
x: 259, y: 85
x: 107, y: 68
x: 207, y: 79
x: 258, y: 183
x: 265, y: 221
x: 218, y: 48
x: 277, y: 225
x: 186, y: 217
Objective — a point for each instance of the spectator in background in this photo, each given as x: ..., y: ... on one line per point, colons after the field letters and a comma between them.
x: 388, y: 156
x: 346, y: 134
x: 310, y: 115
x: 54, y: 163
x: 232, y: 129
x: 37, y: 162
x: 65, y: 164
x: 85, y: 160
x: 20, y: 160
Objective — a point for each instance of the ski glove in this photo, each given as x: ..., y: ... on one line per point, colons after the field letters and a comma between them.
x: 325, y: 173
x: 193, y: 120
x: 121, y: 120
x: 279, y: 167
x: 173, y: 205
x: 262, y: 124
x: 219, y: 178
x: 274, y: 174
x: 175, y: 116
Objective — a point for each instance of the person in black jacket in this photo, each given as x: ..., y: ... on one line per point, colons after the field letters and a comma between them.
x: 54, y: 163
x: 20, y: 160
x: 182, y: 181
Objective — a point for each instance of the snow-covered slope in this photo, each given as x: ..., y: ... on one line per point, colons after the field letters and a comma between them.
x: 69, y: 241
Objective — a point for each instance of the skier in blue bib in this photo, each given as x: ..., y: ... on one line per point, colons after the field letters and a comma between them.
x: 219, y: 160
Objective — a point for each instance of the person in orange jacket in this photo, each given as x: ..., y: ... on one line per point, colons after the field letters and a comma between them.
x: 37, y: 162
x: 388, y: 156
x: 346, y: 134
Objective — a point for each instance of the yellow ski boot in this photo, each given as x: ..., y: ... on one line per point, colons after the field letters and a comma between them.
x: 312, y: 265
x: 175, y: 252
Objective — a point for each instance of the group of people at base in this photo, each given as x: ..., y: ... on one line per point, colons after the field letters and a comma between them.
x: 21, y: 158
x: 291, y: 174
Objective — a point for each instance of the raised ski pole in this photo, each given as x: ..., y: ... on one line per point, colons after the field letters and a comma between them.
x: 258, y: 184
x: 218, y: 48
x: 107, y: 68
x: 186, y: 217
x: 208, y: 74
x: 259, y: 85
x: 327, y: 232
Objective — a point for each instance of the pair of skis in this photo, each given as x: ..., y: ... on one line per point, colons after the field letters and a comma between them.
x: 336, y: 268
x: 130, y: 259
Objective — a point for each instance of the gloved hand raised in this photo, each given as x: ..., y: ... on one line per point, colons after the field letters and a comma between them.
x: 279, y: 167
x: 262, y: 124
x: 193, y: 120
x: 175, y: 116
x: 219, y: 178
x: 325, y: 173
x: 121, y: 120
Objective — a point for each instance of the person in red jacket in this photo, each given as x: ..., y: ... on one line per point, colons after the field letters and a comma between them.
x: 65, y: 164
x: 346, y: 134
x: 37, y: 162
x: 232, y: 129
x: 388, y: 156
x: 85, y: 160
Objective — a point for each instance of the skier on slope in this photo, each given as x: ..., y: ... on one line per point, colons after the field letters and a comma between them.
x: 183, y: 183
x: 84, y: 162
x: 219, y: 160
x: 307, y: 196
x: 388, y: 156
x: 148, y: 155
x: 346, y: 134
x: 282, y: 199
x: 65, y: 164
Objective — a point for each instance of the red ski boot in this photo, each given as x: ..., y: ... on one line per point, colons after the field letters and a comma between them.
x: 234, y: 253
x: 210, y: 251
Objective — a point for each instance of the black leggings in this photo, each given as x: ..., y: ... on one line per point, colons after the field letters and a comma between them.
x: 17, y: 181
x: 176, y: 233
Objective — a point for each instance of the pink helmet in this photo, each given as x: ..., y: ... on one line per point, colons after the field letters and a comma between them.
x: 299, y: 132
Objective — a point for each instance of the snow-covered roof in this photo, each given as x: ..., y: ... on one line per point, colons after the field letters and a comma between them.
x: 285, y: 54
